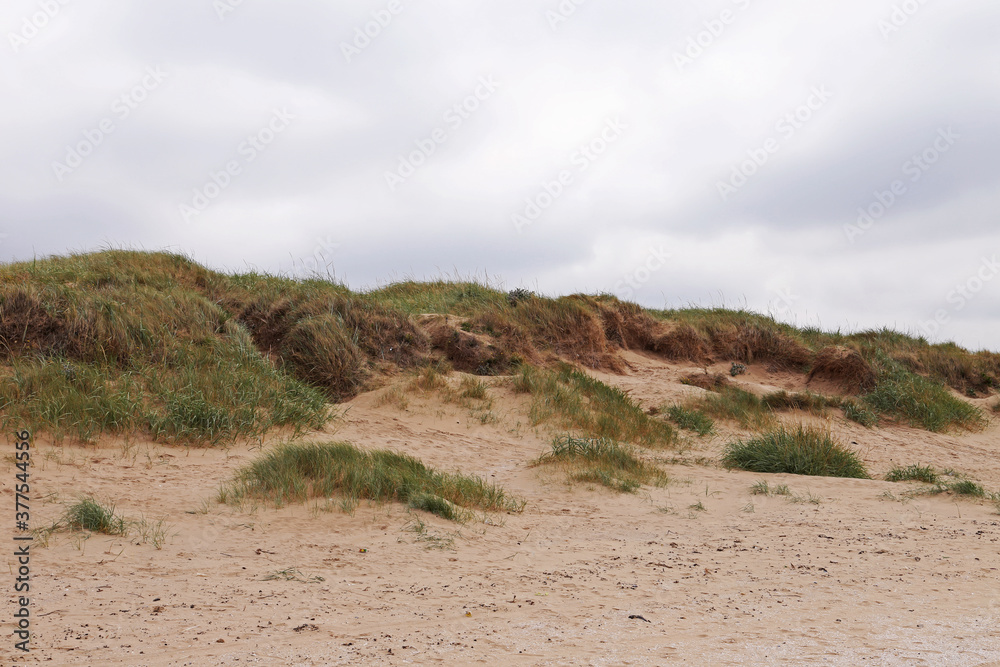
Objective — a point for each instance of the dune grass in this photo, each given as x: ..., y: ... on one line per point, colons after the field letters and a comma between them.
x: 298, y: 472
x: 912, y: 473
x: 802, y: 451
x: 602, y: 461
x: 89, y: 514
x: 739, y: 405
x: 589, y: 406
x: 136, y: 343
x: 690, y: 419
x: 917, y: 400
x: 859, y: 413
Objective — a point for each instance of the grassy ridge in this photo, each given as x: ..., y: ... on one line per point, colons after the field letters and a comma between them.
x: 132, y: 342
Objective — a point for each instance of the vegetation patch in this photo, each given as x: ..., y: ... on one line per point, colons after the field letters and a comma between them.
x: 737, y: 405
x: 587, y: 405
x: 912, y: 473
x: 861, y: 414
x: 602, y: 461
x: 807, y: 401
x: 89, y: 514
x: 298, y: 472
x: 690, y: 420
x: 919, y: 401
x: 803, y: 451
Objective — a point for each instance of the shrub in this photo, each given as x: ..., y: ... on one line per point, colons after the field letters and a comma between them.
x: 859, y: 413
x: 800, y: 452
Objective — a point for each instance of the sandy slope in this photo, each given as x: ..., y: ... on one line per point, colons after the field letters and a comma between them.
x: 858, y: 578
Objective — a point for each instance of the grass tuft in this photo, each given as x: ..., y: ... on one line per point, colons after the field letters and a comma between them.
x: 800, y: 452
x: 587, y: 405
x: 912, y: 473
x: 89, y: 514
x: 297, y: 472
x: 690, y: 419
x: 602, y: 461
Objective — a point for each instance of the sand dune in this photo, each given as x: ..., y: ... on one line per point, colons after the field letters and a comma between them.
x: 700, y: 572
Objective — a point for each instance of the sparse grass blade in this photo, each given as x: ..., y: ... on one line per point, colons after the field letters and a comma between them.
x: 89, y: 514
x: 914, y: 473
x: 691, y: 419
x: 602, y: 461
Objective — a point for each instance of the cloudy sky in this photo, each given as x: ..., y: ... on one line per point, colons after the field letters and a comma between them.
x: 834, y: 164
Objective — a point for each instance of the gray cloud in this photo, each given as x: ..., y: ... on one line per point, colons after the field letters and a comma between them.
x: 698, y: 92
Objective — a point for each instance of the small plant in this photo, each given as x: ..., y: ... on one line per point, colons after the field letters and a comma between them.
x: 967, y: 488
x: 803, y: 451
x: 737, y: 369
x: 428, y: 502
x: 602, y: 461
x: 474, y: 389
x: 89, y: 514
x: 762, y: 488
x: 912, y: 473
x: 859, y: 414
x: 739, y: 405
x: 698, y: 507
x: 690, y: 419
x: 292, y: 574
x: 519, y: 294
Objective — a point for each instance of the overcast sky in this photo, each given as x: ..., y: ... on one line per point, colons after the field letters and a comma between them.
x: 834, y: 164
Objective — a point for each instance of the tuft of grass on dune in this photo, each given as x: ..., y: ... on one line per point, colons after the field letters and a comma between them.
x: 602, y: 461
x: 298, y: 472
x: 89, y: 514
x: 912, y: 473
x: 690, y: 419
x: 737, y: 405
x: 802, y: 451
x: 917, y: 400
x: 589, y: 406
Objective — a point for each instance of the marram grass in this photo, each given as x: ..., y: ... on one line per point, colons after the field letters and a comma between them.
x: 297, y: 472
x: 802, y: 451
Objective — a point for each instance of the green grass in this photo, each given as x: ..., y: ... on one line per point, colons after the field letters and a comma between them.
x: 89, y: 514
x: 298, y: 472
x: 859, y: 413
x: 912, y: 473
x: 807, y: 401
x: 690, y: 420
x: 763, y: 488
x: 802, y: 451
x: 589, y: 406
x: 602, y: 461
x: 152, y: 344
x: 919, y: 401
x: 966, y: 487
x: 428, y: 502
x: 739, y: 405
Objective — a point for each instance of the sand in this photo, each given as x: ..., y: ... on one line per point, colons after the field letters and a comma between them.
x: 700, y: 572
